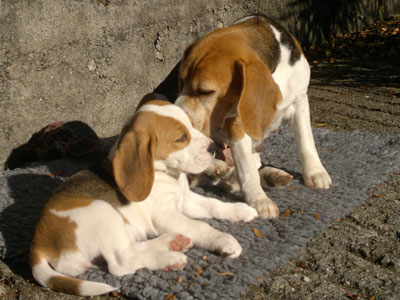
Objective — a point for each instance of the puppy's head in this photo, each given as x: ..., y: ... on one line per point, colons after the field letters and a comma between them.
x: 222, y: 77
x: 158, y: 137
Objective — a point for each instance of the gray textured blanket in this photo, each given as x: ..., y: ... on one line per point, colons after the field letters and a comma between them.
x: 356, y: 162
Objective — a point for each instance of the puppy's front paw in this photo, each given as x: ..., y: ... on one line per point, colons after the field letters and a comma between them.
x: 227, y: 245
x: 265, y: 207
x: 218, y: 169
x: 318, y: 179
x: 243, y: 212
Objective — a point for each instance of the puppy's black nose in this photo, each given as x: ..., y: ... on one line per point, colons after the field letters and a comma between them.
x: 211, y: 148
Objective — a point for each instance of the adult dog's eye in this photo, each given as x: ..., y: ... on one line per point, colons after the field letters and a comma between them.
x: 182, y: 139
x: 205, y: 92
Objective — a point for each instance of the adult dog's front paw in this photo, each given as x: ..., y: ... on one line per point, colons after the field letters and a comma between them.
x: 243, y: 212
x: 265, y: 207
x: 317, y: 179
x: 227, y: 245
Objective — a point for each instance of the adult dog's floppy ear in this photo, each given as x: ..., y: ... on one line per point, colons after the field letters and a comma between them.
x: 259, y: 98
x: 133, y: 165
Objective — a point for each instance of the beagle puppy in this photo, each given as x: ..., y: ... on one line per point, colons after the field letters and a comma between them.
x: 238, y: 84
x: 140, y: 191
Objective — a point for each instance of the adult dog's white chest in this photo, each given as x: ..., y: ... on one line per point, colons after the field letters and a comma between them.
x: 293, y: 80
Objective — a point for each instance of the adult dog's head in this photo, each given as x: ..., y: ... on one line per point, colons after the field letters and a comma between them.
x: 221, y: 76
x: 159, y: 137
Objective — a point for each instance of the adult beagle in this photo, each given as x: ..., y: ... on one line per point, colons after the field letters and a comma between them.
x: 238, y: 84
x: 140, y: 191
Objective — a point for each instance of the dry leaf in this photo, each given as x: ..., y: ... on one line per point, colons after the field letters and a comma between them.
x: 292, y: 187
x: 317, y: 216
x: 286, y: 213
x: 170, y: 297
x: 180, y: 279
x: 301, y: 212
x: 320, y: 125
x: 198, y: 269
x: 258, y: 233
x: 225, y: 274
x: 351, y: 296
x: 259, y: 279
x: 378, y: 196
x: 55, y: 174
x: 116, y: 294
x: 300, y: 265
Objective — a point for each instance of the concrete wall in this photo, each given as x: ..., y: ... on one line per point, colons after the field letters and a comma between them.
x: 65, y: 60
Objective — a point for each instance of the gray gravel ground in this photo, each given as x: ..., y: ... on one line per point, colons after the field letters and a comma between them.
x: 358, y: 256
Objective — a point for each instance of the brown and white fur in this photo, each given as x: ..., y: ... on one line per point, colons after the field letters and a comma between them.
x: 140, y: 191
x: 238, y: 84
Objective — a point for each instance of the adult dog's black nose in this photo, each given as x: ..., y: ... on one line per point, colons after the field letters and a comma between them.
x: 211, y: 148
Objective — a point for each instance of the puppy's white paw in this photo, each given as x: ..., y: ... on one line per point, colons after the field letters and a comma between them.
x: 227, y: 245
x: 243, y: 212
x: 217, y: 169
x: 170, y: 260
x: 180, y: 243
x: 317, y: 179
x: 265, y: 207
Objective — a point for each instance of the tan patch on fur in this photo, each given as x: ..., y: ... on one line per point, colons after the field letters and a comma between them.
x: 233, y: 129
x: 53, y: 235
x: 82, y: 189
x: 148, y: 137
x: 66, y: 285
x: 151, y: 97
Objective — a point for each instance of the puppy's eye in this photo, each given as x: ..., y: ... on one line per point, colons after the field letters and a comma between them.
x: 182, y: 139
x: 205, y: 92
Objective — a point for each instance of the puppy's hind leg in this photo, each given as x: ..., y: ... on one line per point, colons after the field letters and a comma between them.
x: 166, y: 242
x: 129, y: 261
x: 202, y: 234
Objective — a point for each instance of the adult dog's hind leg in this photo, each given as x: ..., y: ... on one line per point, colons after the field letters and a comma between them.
x: 314, y: 173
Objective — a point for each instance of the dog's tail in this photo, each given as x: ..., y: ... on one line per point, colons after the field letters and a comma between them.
x: 48, y: 277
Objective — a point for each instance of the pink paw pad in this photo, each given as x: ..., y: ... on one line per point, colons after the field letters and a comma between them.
x: 181, y: 243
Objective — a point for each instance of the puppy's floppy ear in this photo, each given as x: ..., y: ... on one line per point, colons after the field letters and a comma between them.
x: 133, y: 164
x: 259, y: 98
